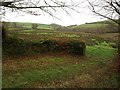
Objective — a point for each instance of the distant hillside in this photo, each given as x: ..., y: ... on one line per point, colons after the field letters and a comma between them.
x: 26, y: 25
x: 106, y: 26
x: 96, y: 27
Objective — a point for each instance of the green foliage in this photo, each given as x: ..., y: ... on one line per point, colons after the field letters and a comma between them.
x: 76, y: 47
x: 100, y: 52
x: 114, y: 45
x: 104, y: 43
x: 68, y: 35
x: 107, y: 44
x: 45, y: 46
x: 15, y: 46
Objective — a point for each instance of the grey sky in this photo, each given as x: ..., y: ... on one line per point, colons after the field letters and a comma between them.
x: 84, y: 16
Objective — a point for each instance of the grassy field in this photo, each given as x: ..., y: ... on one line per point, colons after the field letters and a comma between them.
x: 26, y: 25
x: 96, y: 27
x: 88, y: 38
x: 91, y: 26
x: 60, y: 69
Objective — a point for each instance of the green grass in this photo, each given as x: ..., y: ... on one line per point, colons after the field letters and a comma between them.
x: 36, y: 35
x: 100, y: 51
x: 47, y: 70
x: 68, y: 35
x: 44, y: 32
x: 90, y: 26
x: 44, y: 26
x: 27, y: 25
x: 95, y: 25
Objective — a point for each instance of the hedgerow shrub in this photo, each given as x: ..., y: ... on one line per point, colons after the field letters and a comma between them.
x: 45, y: 46
x: 76, y: 47
x: 14, y: 46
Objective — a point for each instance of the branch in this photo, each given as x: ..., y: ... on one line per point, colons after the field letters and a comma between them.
x: 11, y: 5
x: 115, y: 8
x: 118, y: 4
x: 46, y: 6
x: 105, y: 16
x: 5, y: 4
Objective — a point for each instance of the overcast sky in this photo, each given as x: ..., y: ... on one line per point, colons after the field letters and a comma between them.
x: 84, y: 16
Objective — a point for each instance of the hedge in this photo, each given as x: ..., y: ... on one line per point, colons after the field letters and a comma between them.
x: 13, y: 46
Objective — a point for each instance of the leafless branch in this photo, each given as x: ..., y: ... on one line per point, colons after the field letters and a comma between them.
x: 28, y: 6
x: 107, y: 8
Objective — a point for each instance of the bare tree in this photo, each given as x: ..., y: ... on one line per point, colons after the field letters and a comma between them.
x: 36, y: 7
x: 109, y: 9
